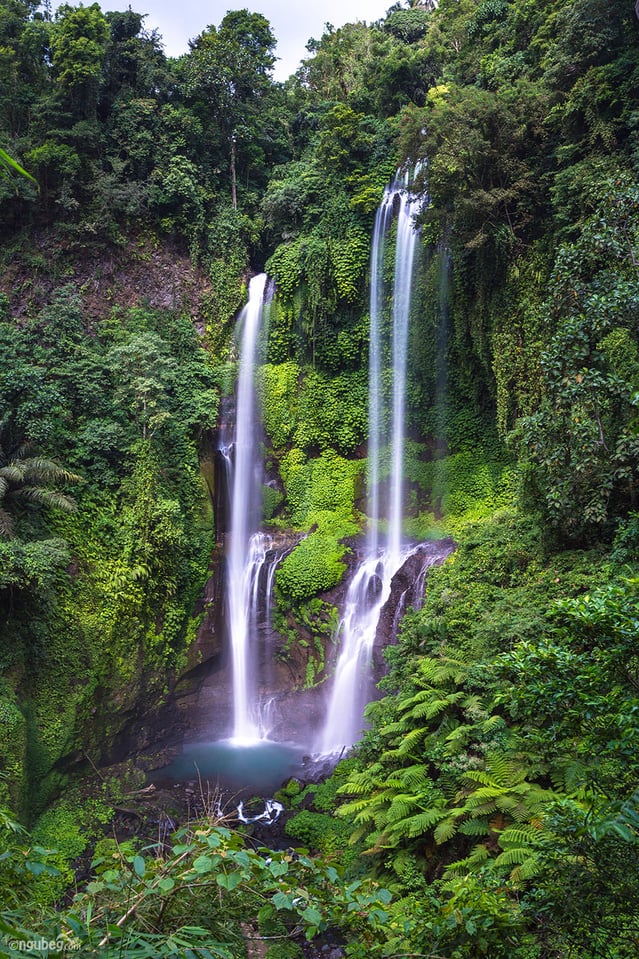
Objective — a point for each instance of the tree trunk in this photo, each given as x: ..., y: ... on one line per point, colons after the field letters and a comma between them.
x: 233, y: 171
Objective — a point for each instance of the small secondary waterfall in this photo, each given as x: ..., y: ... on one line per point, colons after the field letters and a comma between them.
x: 247, y: 549
x: 370, y: 587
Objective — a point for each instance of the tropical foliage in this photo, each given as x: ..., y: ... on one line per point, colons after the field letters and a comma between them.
x: 495, y: 793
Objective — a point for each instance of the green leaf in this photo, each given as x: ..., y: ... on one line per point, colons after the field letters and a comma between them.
x: 7, y: 163
x: 166, y: 884
x: 139, y: 865
x: 230, y: 881
x: 282, y: 901
x: 312, y: 915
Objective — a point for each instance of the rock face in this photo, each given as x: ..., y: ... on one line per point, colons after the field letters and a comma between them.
x: 407, y: 590
x: 202, y: 699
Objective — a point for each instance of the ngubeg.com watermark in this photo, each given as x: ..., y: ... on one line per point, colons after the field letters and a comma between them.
x: 43, y: 945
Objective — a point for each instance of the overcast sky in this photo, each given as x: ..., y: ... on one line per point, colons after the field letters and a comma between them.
x: 293, y: 22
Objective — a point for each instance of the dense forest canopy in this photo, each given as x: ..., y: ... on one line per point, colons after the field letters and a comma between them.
x: 492, y: 808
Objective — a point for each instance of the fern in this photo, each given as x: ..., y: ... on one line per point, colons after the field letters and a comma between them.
x: 401, y: 808
x: 422, y: 696
x: 415, y: 776
x: 472, y: 863
x: 511, y: 857
x: 410, y: 740
x: 481, y: 776
x: 528, y: 870
x: 475, y: 827
x: 508, y: 804
x: 504, y: 770
x: 445, y: 831
x: 473, y: 707
x: 428, y: 710
x: 420, y: 824
x: 519, y: 835
x: 354, y: 807
x: 492, y: 724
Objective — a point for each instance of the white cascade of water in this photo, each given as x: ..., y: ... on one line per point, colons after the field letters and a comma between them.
x: 246, y: 546
x: 402, y: 290
x: 370, y: 587
x: 375, y: 402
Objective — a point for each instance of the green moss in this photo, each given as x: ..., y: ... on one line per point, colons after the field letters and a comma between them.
x: 279, y: 393
x: 469, y: 486
x: 289, y: 791
x: 13, y: 747
x: 285, y: 950
x: 495, y: 589
x: 314, y: 566
x: 66, y: 828
x: 322, y: 833
x: 318, y: 487
x: 306, y: 629
x: 309, y: 410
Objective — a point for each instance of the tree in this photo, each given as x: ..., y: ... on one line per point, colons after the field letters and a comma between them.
x: 142, y: 368
x: 229, y: 69
x: 78, y: 45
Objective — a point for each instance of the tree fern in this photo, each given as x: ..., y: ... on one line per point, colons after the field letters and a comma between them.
x: 354, y: 807
x: 409, y: 741
x: 445, y: 830
x: 520, y: 835
x: 401, y: 807
x: 28, y: 480
x: 475, y: 827
x: 420, y: 824
x: 512, y: 857
x: 415, y: 776
x: 483, y: 777
x: 429, y: 710
x: 472, y: 863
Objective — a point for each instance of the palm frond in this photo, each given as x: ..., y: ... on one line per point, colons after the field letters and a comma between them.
x: 47, y: 497
x: 6, y: 524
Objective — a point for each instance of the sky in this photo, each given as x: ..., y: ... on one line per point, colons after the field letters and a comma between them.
x: 293, y: 22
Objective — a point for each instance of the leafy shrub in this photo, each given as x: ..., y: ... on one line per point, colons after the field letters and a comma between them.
x: 313, y: 567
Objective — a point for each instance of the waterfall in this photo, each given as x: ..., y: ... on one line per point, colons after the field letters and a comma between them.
x: 246, y: 545
x: 402, y: 289
x: 382, y: 221
x: 370, y: 587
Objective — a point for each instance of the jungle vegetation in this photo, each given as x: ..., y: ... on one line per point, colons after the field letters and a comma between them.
x: 492, y: 808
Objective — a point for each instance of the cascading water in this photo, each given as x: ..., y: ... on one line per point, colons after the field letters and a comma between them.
x: 246, y: 547
x: 402, y: 289
x: 370, y: 587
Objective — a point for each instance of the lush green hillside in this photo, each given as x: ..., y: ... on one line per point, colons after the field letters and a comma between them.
x: 492, y: 808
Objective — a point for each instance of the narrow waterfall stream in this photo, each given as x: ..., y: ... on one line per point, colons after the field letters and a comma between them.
x: 370, y: 587
x: 246, y: 553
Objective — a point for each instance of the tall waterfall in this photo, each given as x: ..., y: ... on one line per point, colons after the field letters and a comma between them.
x: 247, y: 547
x: 370, y: 587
